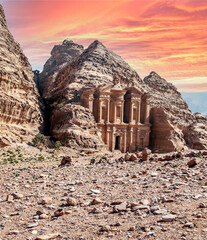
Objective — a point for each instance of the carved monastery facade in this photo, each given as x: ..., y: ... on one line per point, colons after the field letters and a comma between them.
x: 122, y: 116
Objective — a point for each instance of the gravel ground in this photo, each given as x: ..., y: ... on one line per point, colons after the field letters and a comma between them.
x: 108, y: 199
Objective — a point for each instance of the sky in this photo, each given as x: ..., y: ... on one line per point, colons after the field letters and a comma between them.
x: 166, y: 36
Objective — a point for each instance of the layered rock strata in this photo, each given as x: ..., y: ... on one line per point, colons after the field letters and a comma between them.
x: 20, y: 115
x: 95, y: 67
x: 172, y: 121
x: 61, y: 56
x: 173, y: 124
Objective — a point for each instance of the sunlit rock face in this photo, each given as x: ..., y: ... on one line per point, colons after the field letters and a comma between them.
x: 96, y: 67
x: 61, y: 56
x: 174, y: 126
x: 20, y: 115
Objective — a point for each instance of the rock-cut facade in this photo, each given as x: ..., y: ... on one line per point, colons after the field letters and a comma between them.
x: 122, y: 116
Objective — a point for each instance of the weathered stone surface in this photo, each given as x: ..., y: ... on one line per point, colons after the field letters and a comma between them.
x: 61, y: 56
x: 96, y: 67
x: 173, y: 124
x: 20, y: 115
x: 75, y: 126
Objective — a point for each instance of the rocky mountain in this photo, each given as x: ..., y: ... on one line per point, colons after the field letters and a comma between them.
x: 172, y: 121
x: 61, y: 56
x: 20, y: 115
x: 94, y: 67
x: 70, y: 69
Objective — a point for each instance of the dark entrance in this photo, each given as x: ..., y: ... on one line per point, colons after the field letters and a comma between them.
x: 117, y: 142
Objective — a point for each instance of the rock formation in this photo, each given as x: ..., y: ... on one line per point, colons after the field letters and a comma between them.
x: 20, y: 115
x: 95, y: 67
x: 61, y: 55
x: 172, y: 122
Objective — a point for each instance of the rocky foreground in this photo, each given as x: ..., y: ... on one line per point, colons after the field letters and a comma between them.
x: 102, y: 197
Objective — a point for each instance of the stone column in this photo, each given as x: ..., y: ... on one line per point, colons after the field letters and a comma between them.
x: 112, y: 140
x: 115, y: 112
x: 108, y: 111
x: 147, y: 112
x: 138, y: 113
x: 90, y: 104
x: 137, y: 147
x: 147, y: 139
x: 125, y: 141
x: 131, y: 113
x: 130, y: 139
x: 107, y: 136
x: 100, y: 111
x: 122, y: 112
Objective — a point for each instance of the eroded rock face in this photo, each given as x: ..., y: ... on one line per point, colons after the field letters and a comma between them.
x: 61, y: 56
x: 98, y: 67
x: 20, y: 115
x: 95, y: 67
x: 75, y: 126
x: 173, y: 124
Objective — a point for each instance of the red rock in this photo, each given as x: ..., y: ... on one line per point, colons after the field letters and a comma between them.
x: 127, y: 157
x: 66, y: 161
x: 168, y: 157
x: 133, y: 157
x: 145, y: 154
x: 192, y: 163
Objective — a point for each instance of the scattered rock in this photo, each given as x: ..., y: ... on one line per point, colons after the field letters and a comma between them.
x: 169, y: 218
x: 66, y: 161
x: 48, y: 237
x: 32, y: 225
x: 120, y: 208
x: 96, y: 201
x: 192, y: 163
x: 72, y: 201
x: 46, y: 200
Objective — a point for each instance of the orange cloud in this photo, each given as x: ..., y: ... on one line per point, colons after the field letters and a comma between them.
x: 165, y: 36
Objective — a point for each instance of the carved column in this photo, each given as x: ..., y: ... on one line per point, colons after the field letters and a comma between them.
x: 112, y: 140
x: 130, y: 139
x: 147, y: 112
x: 125, y: 141
x: 138, y: 112
x: 115, y: 112
x: 108, y: 111
x: 131, y: 113
x: 100, y: 111
x: 107, y: 136
x: 90, y: 103
x: 122, y: 112
x: 137, y: 144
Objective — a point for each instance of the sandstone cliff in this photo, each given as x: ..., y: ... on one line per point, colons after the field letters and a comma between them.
x: 95, y: 66
x: 20, y: 115
x: 172, y: 121
x: 173, y: 124
x: 61, y: 56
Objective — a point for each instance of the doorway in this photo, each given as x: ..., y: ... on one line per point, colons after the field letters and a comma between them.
x: 117, y: 142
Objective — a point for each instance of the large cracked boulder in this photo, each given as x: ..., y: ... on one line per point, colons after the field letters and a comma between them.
x: 20, y: 115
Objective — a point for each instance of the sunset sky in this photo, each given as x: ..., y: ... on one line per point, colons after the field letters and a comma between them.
x: 166, y: 36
